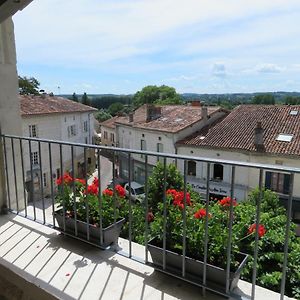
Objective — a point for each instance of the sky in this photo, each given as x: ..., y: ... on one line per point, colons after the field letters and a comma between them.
x: 196, y: 46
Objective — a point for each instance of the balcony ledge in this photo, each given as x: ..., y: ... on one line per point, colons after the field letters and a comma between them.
x: 37, y: 262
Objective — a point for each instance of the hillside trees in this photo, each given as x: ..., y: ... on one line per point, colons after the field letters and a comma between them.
x: 263, y: 99
x: 85, y: 99
x: 156, y: 94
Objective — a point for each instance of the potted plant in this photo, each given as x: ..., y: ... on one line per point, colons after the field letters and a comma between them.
x: 85, y: 205
x: 243, y: 230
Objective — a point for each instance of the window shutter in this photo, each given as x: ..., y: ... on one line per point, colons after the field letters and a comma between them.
x: 268, y: 180
x: 286, y: 184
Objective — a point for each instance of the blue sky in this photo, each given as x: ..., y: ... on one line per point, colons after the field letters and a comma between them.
x: 202, y: 46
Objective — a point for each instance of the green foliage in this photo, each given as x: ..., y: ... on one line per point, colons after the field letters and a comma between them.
x: 74, y: 97
x: 157, y: 95
x: 292, y: 100
x: 28, y: 86
x: 85, y: 99
x: 115, y: 108
x: 102, y: 115
x: 263, y: 99
x: 174, y: 180
x: 104, y: 101
x: 271, y: 247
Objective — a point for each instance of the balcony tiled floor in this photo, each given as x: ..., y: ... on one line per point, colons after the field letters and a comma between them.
x: 69, y: 269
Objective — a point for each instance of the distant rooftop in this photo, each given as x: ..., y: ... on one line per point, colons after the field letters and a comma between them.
x: 110, y: 123
x: 236, y: 131
x: 46, y: 104
x: 172, y: 118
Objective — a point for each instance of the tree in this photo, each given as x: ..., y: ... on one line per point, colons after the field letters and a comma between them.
x: 292, y: 100
x: 263, y: 99
x: 28, y: 86
x: 156, y: 94
x: 74, y: 97
x: 102, y: 115
x: 115, y: 108
x: 85, y: 99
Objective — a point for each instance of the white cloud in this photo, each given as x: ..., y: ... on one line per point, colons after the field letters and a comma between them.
x: 268, y: 68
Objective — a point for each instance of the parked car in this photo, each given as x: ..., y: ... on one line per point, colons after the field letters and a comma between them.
x: 118, y: 180
x: 137, y: 191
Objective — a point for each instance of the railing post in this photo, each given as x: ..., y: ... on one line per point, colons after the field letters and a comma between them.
x: 3, y: 194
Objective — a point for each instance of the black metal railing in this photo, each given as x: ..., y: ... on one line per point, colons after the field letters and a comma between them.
x: 25, y: 172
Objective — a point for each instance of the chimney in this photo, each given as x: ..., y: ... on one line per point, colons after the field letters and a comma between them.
x: 259, y: 137
x: 204, y: 112
x: 153, y: 112
x: 130, y: 115
x: 196, y: 103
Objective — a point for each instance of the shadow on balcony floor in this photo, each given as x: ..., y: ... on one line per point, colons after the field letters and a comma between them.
x: 64, y: 268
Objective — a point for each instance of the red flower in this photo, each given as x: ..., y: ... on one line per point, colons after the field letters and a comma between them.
x: 226, y: 202
x: 171, y: 192
x: 82, y: 181
x: 150, y: 217
x: 261, y: 229
x: 108, y: 192
x: 66, y: 179
x: 120, y: 190
x: 92, y: 189
x: 96, y: 181
x: 178, y: 199
x: 201, y: 213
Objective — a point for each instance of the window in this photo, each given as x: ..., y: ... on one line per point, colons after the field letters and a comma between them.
x: 160, y: 148
x: 278, y: 182
x: 89, y: 161
x: 35, y: 158
x: 282, y: 137
x: 72, y: 130
x: 57, y: 173
x: 86, y: 140
x: 191, y: 168
x: 85, y: 126
x: 218, y: 172
x: 44, y: 179
x: 33, y: 130
x: 105, y: 135
x: 112, y: 137
x: 143, y: 147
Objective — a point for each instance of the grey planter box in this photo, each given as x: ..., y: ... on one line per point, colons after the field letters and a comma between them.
x: 215, y: 276
x: 110, y: 234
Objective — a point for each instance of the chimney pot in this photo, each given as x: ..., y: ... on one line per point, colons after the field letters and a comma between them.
x: 259, y: 137
x: 130, y: 115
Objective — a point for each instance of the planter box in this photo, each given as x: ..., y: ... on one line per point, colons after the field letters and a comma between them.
x: 110, y: 234
x: 215, y: 276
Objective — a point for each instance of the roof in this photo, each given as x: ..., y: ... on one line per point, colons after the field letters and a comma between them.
x: 110, y: 123
x: 236, y: 131
x: 46, y: 104
x: 173, y: 118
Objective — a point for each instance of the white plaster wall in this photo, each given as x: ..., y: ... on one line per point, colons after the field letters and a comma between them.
x: 10, y: 120
x: 54, y: 127
x: 247, y: 177
x: 108, y: 142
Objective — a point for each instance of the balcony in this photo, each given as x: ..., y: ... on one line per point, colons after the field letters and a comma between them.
x: 46, y: 260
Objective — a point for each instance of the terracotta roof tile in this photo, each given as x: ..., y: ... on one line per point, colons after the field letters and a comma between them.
x: 110, y: 123
x: 40, y: 105
x: 236, y: 131
x: 173, y: 117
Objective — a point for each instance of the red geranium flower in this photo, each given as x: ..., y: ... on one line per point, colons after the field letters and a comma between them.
x: 150, y: 217
x: 178, y: 199
x: 201, y: 213
x: 92, y: 189
x: 82, y: 181
x: 171, y: 192
x: 66, y: 179
x: 120, y: 190
x: 226, y: 202
x: 96, y: 181
x: 108, y: 192
x: 261, y: 229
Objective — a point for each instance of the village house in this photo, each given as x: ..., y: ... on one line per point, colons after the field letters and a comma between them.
x: 267, y: 134
x: 157, y: 129
x: 55, y: 118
